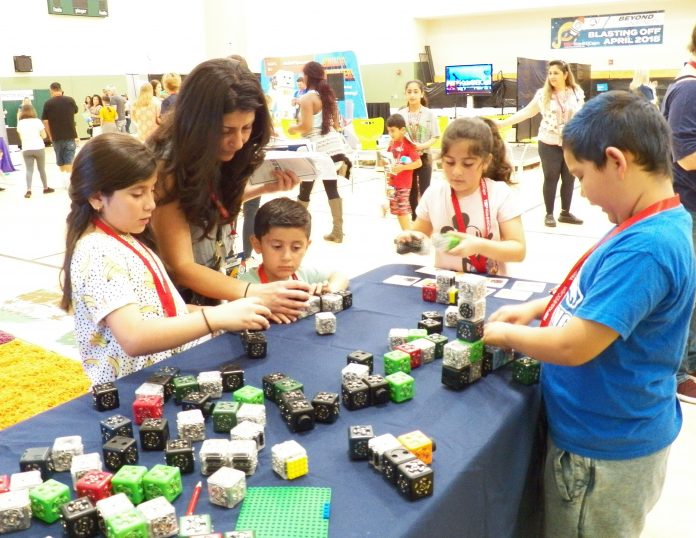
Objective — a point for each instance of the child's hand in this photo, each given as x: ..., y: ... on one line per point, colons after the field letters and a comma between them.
x: 397, y: 168
x: 410, y: 235
x: 519, y: 314
x: 495, y: 334
x: 319, y: 288
x: 287, y: 299
x: 468, y: 245
x: 238, y: 315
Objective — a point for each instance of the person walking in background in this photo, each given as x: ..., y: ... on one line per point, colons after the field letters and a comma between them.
x: 423, y: 131
x: 108, y: 116
x: 557, y: 102
x: 119, y: 103
x: 59, y: 121
x: 32, y: 133
x: 171, y: 83
x: 157, y: 97
x: 641, y: 84
x: 127, y: 112
x: 400, y: 176
x: 320, y: 122
x: 144, y: 112
x: 679, y: 107
x: 97, y: 104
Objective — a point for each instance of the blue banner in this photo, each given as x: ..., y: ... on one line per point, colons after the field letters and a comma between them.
x: 279, y: 81
x: 644, y: 28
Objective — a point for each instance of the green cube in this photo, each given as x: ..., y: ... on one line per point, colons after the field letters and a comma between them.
x: 163, y: 480
x: 47, y: 498
x: 128, y: 524
x: 285, y: 385
x: 397, y: 361
x: 248, y: 394
x: 183, y: 385
x: 415, y: 334
x: 439, y: 340
x: 129, y: 480
x: 401, y: 386
x: 225, y: 416
x: 526, y: 371
x: 475, y: 350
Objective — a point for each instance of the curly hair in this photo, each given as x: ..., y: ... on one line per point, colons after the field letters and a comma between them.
x: 316, y: 80
x: 187, y: 143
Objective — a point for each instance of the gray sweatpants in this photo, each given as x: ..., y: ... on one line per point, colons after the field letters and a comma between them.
x: 38, y: 155
x: 588, y: 498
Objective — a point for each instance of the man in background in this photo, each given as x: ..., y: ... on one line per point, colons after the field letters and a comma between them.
x: 59, y: 120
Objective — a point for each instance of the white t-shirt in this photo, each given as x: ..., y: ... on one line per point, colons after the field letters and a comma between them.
x: 106, y: 276
x: 29, y: 130
x: 436, y: 207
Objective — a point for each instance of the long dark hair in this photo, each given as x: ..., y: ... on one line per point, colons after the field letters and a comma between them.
x: 188, y: 142
x: 484, y: 140
x: 316, y: 80
x: 424, y: 98
x: 107, y: 163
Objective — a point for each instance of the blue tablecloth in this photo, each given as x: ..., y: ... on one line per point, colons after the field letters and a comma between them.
x: 5, y: 161
x: 485, y: 434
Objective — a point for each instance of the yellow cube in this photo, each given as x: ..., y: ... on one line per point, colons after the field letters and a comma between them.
x: 419, y: 444
x: 297, y: 466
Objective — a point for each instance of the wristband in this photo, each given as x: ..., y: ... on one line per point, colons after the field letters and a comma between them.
x: 246, y: 290
x: 207, y: 323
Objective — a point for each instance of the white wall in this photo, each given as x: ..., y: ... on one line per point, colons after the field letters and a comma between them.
x: 501, y: 38
x: 138, y: 36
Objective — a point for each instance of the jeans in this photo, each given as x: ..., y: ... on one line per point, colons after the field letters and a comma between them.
x: 586, y: 498
x: 65, y: 151
x: 688, y: 363
x: 553, y: 165
x: 38, y: 155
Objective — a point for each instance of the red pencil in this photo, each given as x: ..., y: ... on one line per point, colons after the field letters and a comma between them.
x: 194, y: 499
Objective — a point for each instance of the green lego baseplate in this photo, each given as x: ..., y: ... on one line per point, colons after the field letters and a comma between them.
x: 286, y: 512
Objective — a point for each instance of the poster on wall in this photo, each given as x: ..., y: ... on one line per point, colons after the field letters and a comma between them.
x: 279, y: 82
x: 80, y: 8
x: 623, y: 29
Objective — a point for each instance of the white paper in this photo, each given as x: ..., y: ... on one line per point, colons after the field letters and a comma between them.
x: 497, y: 282
x: 292, y: 161
x: 525, y: 285
x: 427, y: 270
x: 515, y: 295
x: 401, y: 280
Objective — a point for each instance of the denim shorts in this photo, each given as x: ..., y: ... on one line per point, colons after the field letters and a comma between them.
x: 65, y: 151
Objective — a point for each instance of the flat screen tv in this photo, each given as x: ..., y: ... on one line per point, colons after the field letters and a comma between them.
x: 471, y: 79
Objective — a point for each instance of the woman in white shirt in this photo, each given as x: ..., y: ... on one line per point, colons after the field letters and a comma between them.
x: 557, y: 102
x: 31, y: 132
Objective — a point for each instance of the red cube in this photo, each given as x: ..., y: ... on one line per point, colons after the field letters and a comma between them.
x: 94, y: 484
x: 429, y: 292
x: 414, y: 352
x: 147, y: 407
x: 4, y: 483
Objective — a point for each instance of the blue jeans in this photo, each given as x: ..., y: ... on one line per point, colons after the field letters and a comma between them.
x: 65, y: 151
x: 688, y: 364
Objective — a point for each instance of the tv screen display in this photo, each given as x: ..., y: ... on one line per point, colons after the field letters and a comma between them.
x: 602, y: 87
x: 472, y: 79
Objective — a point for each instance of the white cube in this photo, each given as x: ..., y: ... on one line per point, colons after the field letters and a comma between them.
x: 452, y: 316
x: 213, y: 454
x: 331, y: 302
x: 427, y: 349
x: 83, y: 463
x: 397, y: 337
x: 191, y: 425
x: 244, y: 455
x: 161, y: 517
x: 252, y: 413
x: 285, y: 457
x: 325, y: 322
x: 113, y: 505
x: 227, y: 487
x: 210, y: 383
x: 377, y: 446
x: 149, y: 389
x: 25, y: 480
x: 251, y: 431
x: 354, y: 372
x: 472, y: 287
x: 17, y: 506
x: 64, y: 448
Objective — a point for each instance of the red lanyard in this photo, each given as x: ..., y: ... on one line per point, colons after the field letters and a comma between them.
x: 559, y: 294
x: 161, y: 286
x: 263, y: 277
x: 693, y: 64
x: 479, y: 262
x: 223, y: 213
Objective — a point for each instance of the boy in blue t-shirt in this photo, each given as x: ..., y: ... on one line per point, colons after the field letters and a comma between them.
x: 281, y: 235
x: 612, y: 337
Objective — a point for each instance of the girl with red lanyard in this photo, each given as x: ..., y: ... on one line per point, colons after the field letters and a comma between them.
x: 475, y: 203
x: 128, y: 315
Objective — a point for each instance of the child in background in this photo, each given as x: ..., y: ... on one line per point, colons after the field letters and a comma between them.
x: 475, y: 203
x: 612, y: 336
x: 128, y: 314
x: 107, y: 116
x: 400, y: 176
x: 281, y: 235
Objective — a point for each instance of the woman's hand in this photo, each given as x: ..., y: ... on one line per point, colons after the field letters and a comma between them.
x: 239, y: 315
x: 285, y: 180
x: 319, y: 288
x: 286, y: 299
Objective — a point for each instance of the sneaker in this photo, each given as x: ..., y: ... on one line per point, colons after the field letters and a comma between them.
x: 49, y: 190
x: 549, y: 221
x: 686, y: 391
x: 568, y: 218
x: 28, y: 194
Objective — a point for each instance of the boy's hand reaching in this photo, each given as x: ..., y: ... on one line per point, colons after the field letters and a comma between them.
x: 239, y: 315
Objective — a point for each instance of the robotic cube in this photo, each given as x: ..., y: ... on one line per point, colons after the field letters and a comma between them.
x: 325, y: 323
x: 232, y: 376
x: 391, y: 459
x: 361, y: 357
x: 154, y: 433
x: 249, y: 431
x: 37, y: 459
x: 397, y: 337
x: 377, y: 446
x: 214, y: 453
x: 289, y: 460
x: 225, y: 416
x: 64, y: 448
x: 472, y: 287
x: 378, y: 389
x: 452, y: 316
x: 354, y: 372
x: 358, y: 438
x: 427, y: 349
x: 162, y: 480
x: 326, y: 408
x: 79, y: 518
x: 414, y: 353
x: 15, y: 511
x: 183, y: 384
x: 526, y: 370
x: 456, y: 378
x: 355, y: 395
x: 397, y: 361
x: 419, y: 444
x: 252, y: 413
x: 227, y: 487
x: 129, y: 481
x: 471, y: 331
x: 248, y: 394
x: 47, y: 498
x: 414, y: 480
x: 439, y: 340
x: 160, y: 516
x: 331, y: 302
x: 191, y: 425
x: 179, y: 453
x: 147, y: 407
x: 401, y: 386
x: 120, y: 451
x: 210, y: 383
x: 94, y: 484
x: 472, y: 310
x: 430, y: 325
x: 116, y: 425
x: 299, y: 415
x: 105, y: 396
x: 244, y: 455
x: 83, y: 463
x: 131, y: 523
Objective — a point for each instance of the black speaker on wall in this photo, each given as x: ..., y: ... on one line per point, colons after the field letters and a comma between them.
x: 22, y: 64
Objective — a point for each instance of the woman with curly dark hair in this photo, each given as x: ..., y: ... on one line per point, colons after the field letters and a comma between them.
x: 206, y: 150
x: 320, y: 122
